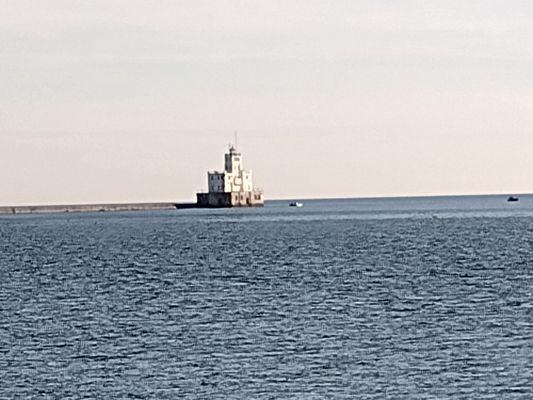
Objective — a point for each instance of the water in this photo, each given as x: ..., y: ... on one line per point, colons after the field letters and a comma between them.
x: 426, y: 298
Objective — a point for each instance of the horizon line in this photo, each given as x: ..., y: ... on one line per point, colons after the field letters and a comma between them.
x: 371, y: 197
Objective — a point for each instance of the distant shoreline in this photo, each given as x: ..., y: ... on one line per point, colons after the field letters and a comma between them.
x: 77, y: 208
x: 161, y: 206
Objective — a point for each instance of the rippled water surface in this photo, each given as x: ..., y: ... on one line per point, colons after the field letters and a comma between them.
x: 425, y: 298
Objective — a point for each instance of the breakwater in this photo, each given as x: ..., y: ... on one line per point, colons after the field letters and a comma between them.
x: 76, y: 208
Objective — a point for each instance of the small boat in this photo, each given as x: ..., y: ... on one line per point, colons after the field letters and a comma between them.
x: 296, y: 204
x: 512, y: 198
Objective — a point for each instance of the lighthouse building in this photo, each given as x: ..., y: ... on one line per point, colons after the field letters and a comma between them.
x: 231, y: 188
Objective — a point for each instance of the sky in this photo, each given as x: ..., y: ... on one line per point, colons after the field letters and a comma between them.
x: 128, y: 100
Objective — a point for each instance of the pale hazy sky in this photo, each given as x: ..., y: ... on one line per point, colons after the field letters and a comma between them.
x: 125, y: 100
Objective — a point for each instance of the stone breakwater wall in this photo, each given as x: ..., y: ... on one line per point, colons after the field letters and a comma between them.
x: 87, y: 208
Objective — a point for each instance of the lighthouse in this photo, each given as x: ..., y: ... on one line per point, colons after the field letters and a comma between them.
x: 231, y: 188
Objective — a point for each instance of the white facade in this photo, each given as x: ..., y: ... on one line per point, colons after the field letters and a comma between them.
x: 234, y: 178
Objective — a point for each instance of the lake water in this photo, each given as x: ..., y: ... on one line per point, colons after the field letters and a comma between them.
x: 421, y: 298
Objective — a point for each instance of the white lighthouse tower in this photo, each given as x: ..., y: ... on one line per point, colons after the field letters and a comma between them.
x: 231, y: 188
